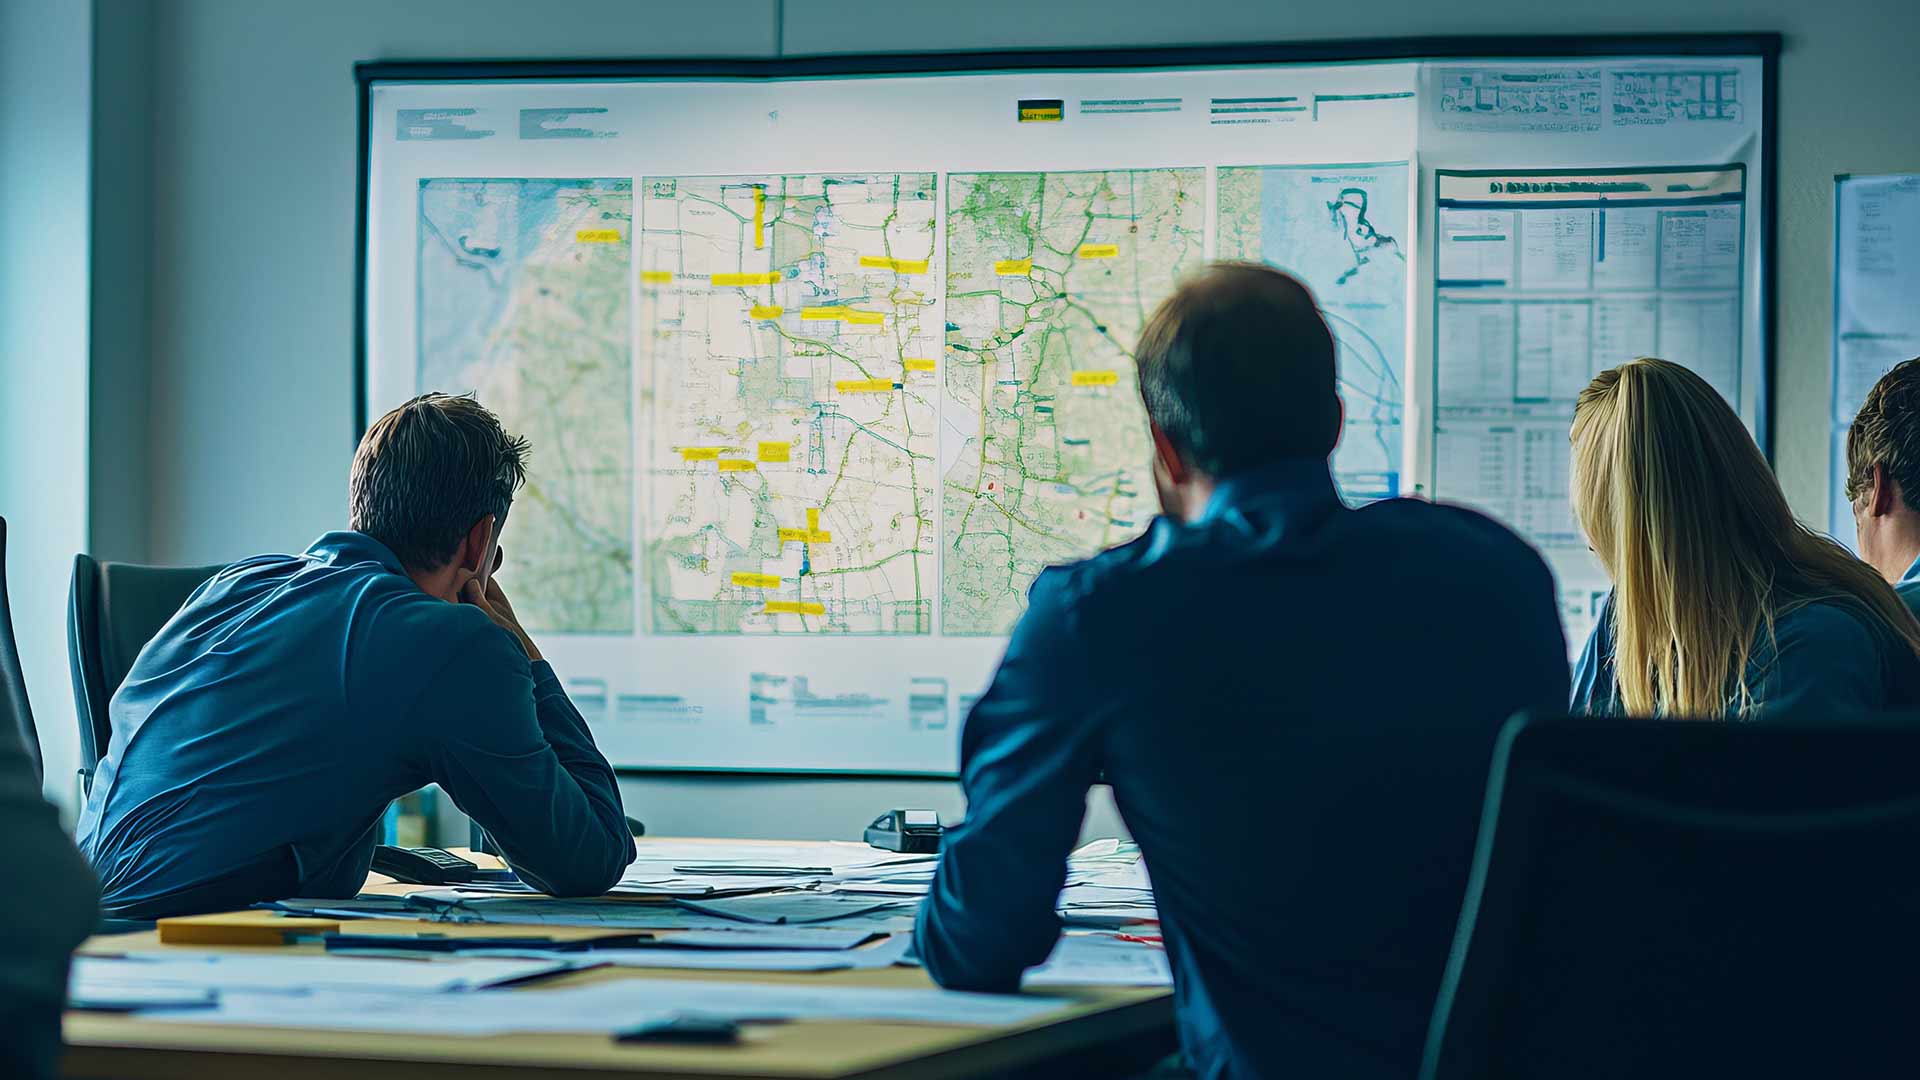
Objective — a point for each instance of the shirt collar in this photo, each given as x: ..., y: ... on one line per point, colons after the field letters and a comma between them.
x: 346, y: 548
x: 1913, y: 572
x: 1292, y: 483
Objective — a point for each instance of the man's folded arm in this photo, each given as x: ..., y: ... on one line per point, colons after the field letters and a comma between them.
x: 517, y: 757
x: 1028, y: 756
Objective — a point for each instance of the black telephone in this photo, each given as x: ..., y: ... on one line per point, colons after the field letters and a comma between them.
x: 422, y: 865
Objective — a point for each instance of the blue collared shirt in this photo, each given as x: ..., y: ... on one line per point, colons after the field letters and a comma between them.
x: 261, y: 734
x: 1824, y: 658
x: 1909, y: 586
x: 1295, y: 704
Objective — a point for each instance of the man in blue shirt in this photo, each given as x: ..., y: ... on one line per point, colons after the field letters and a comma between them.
x: 1883, y: 476
x: 1294, y: 702
x: 263, y: 731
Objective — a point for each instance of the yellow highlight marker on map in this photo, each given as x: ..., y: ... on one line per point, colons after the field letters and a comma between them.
x: 918, y: 363
x: 765, y: 311
x: 795, y: 607
x: 805, y: 536
x: 597, y: 236
x: 864, y: 386
x: 656, y: 277
x: 759, y: 216
x: 1099, y: 251
x: 776, y: 451
x: 865, y: 318
x: 830, y: 313
x: 701, y: 453
x: 1096, y: 378
x: 756, y: 581
x: 1013, y: 267
x: 898, y: 266
x: 735, y: 465
x: 729, y: 280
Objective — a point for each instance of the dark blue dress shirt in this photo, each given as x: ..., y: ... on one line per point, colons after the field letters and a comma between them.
x: 1824, y: 658
x: 1295, y: 703
x: 263, y: 731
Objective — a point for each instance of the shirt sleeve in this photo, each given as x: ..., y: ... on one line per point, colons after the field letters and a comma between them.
x: 515, y: 755
x: 1594, y: 693
x: 1028, y: 754
x: 52, y: 901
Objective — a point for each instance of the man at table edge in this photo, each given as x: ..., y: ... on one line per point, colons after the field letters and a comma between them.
x: 261, y: 734
x: 1239, y: 641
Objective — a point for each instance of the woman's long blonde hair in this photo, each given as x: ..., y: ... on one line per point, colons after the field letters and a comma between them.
x: 1703, y: 550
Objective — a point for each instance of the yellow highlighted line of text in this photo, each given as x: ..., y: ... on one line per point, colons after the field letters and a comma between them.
x: 1096, y: 378
x: 756, y: 581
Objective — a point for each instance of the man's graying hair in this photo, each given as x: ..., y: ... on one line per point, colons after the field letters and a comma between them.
x: 430, y: 469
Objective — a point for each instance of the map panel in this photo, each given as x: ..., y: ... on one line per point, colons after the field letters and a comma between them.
x: 525, y: 299
x: 792, y: 343
x: 1045, y: 453
x: 1341, y: 229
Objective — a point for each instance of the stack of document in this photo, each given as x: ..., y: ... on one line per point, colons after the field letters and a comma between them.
x: 1107, y: 885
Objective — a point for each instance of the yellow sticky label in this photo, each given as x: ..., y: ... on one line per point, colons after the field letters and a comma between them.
x: 765, y: 311
x: 865, y: 318
x: 759, y: 217
x: 1095, y: 378
x: 657, y: 277
x: 918, y: 363
x: 898, y: 266
x: 831, y: 313
x: 795, y: 607
x: 813, y: 517
x: 776, y: 451
x: 597, y: 236
x: 735, y: 465
x: 864, y: 386
x: 701, y: 453
x: 1099, y: 251
x: 729, y: 280
x: 1045, y: 115
x: 793, y: 536
x: 756, y: 581
x: 1013, y: 267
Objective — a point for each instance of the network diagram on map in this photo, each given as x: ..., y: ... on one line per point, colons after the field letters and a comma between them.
x: 1050, y: 278
x: 855, y: 417
x: 792, y: 349
x: 524, y: 298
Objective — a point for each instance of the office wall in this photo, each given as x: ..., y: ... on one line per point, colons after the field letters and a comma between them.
x: 45, y: 104
x: 252, y: 242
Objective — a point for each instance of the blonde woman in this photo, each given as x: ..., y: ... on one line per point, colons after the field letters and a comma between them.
x: 1723, y: 604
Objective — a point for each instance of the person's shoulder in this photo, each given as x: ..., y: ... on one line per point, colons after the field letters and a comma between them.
x: 1162, y: 545
x: 1833, y: 621
x: 1439, y: 522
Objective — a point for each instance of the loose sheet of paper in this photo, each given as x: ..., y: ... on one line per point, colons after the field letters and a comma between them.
x: 608, y: 1006
x: 1097, y: 960
x: 98, y: 976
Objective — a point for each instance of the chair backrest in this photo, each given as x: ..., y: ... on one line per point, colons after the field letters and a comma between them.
x: 16, y: 712
x: 113, y: 610
x: 1688, y: 898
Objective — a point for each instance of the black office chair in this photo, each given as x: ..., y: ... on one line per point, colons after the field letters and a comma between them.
x: 113, y: 610
x: 16, y: 712
x: 1689, y: 899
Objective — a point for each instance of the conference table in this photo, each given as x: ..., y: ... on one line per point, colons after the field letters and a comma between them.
x: 1105, y: 1031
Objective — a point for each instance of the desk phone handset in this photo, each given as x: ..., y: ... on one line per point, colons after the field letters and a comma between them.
x: 422, y: 865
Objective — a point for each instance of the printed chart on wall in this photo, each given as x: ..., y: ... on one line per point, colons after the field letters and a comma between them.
x: 819, y: 374
x: 1876, y: 305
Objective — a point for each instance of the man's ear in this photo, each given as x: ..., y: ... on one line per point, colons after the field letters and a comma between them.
x: 1883, y: 496
x: 478, y: 547
x: 1170, y: 459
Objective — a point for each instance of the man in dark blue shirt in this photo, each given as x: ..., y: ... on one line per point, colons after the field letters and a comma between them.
x: 1295, y: 703
x: 263, y: 731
